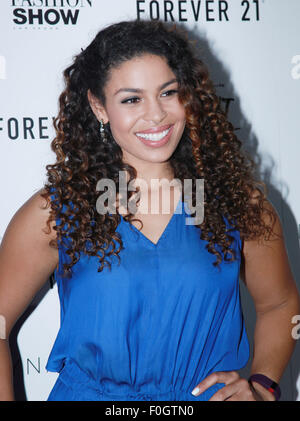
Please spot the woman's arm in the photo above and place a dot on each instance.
(269, 279)
(26, 262)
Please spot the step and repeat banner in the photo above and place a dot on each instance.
(252, 49)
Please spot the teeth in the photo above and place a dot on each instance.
(153, 136)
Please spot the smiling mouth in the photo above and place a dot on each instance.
(155, 136)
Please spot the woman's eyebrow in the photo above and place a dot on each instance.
(164, 85)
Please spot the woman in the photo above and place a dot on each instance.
(150, 311)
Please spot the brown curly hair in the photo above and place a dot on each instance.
(208, 149)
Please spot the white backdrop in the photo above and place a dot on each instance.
(253, 52)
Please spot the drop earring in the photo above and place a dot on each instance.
(102, 132)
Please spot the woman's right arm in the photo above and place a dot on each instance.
(26, 262)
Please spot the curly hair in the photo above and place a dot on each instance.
(208, 149)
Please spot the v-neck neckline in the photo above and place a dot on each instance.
(163, 234)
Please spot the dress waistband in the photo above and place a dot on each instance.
(79, 381)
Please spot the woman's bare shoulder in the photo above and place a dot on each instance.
(33, 216)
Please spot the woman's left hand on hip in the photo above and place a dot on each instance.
(235, 389)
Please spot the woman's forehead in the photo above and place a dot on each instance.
(145, 69)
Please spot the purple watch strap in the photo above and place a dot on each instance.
(269, 384)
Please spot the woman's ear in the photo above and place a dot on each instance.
(97, 107)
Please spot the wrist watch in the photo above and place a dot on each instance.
(267, 383)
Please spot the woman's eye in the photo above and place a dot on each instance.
(170, 92)
(132, 100)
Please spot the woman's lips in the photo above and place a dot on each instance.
(156, 129)
(152, 137)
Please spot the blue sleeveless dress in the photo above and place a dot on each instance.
(154, 326)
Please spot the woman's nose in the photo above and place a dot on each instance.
(154, 111)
